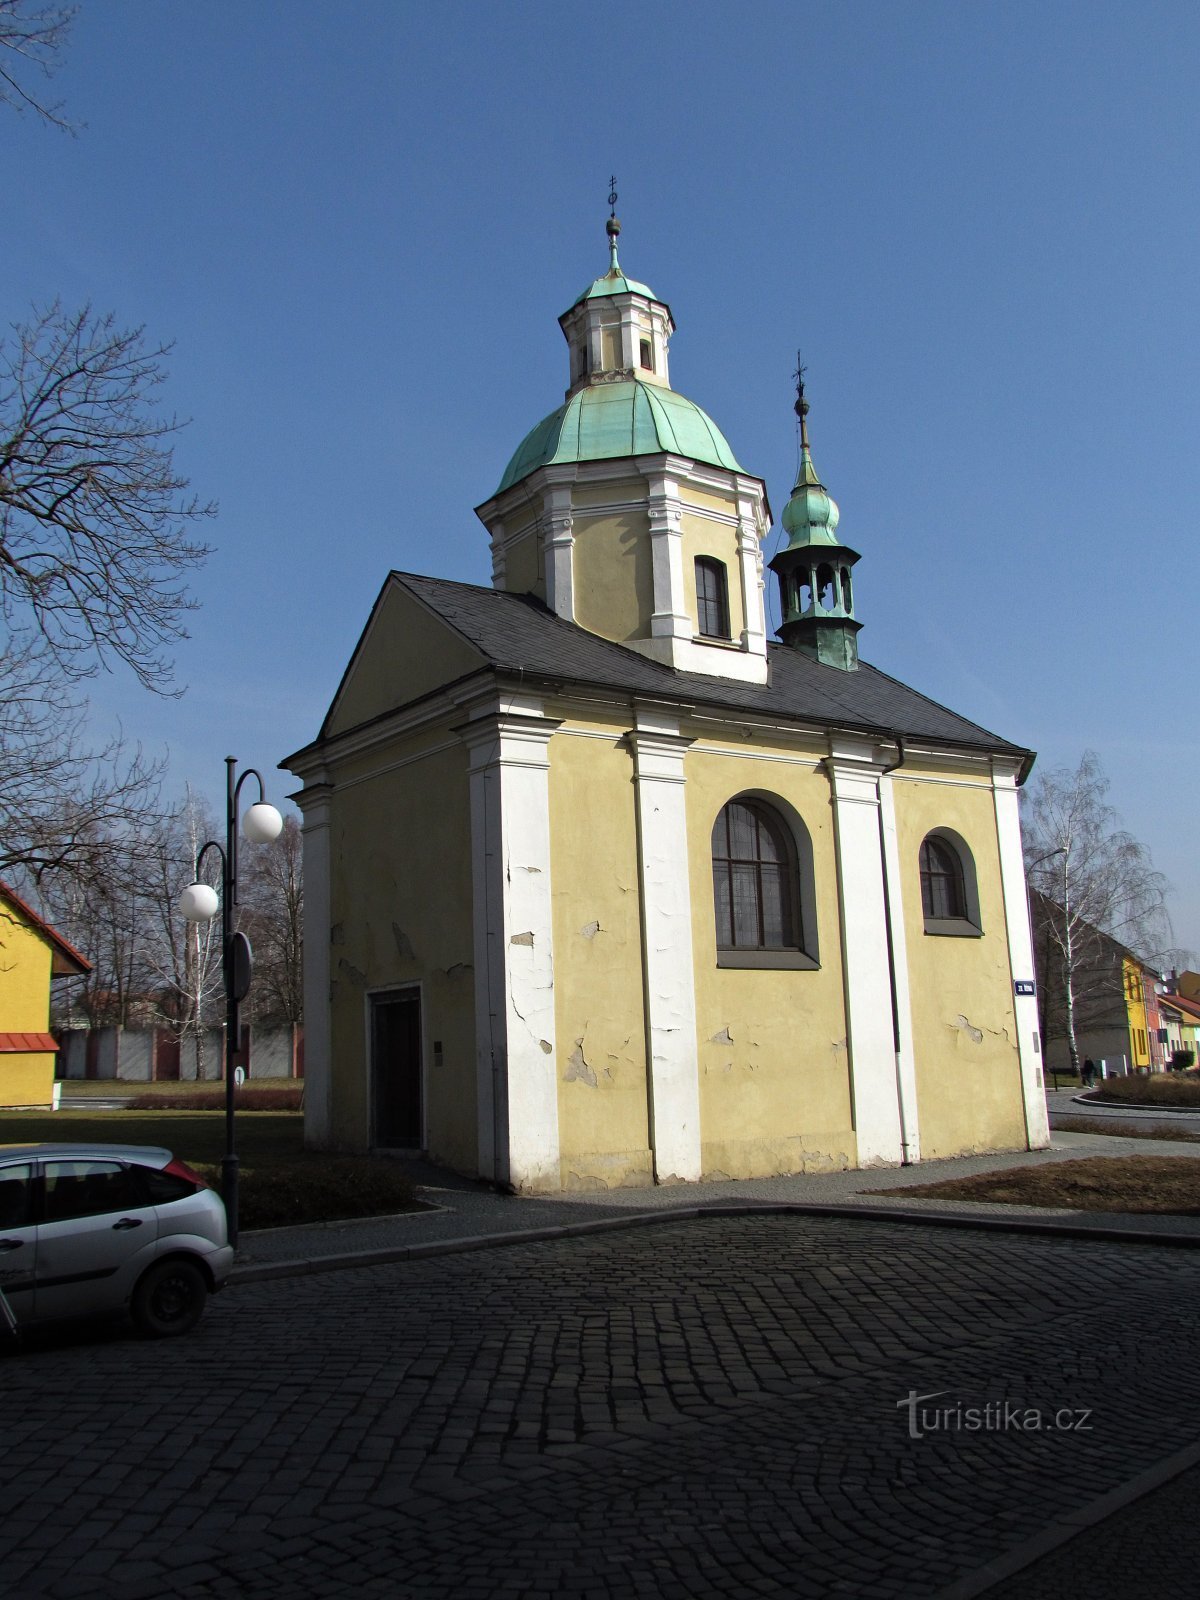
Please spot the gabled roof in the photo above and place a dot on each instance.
(519, 635)
(65, 960)
(1189, 1010)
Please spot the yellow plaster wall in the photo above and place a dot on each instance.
(406, 652)
(708, 536)
(25, 964)
(27, 1080)
(961, 994)
(524, 572)
(1135, 1006)
(598, 1006)
(613, 577)
(401, 912)
(774, 1077)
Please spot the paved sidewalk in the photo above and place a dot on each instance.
(472, 1215)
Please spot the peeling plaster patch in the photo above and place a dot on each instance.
(728, 1067)
(547, 1047)
(965, 1026)
(578, 1070)
(590, 930)
(353, 973)
(458, 970)
(522, 938)
(724, 1037)
(337, 933)
(531, 869)
(403, 946)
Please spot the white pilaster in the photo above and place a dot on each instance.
(559, 546)
(669, 976)
(516, 1058)
(906, 1071)
(318, 917)
(749, 532)
(671, 618)
(854, 781)
(499, 561)
(1020, 950)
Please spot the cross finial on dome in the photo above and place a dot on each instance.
(612, 227)
(801, 406)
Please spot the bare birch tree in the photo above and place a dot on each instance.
(271, 913)
(183, 957)
(1095, 887)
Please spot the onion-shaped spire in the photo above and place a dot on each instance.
(814, 565)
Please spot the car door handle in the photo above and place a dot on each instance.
(11, 1244)
(126, 1223)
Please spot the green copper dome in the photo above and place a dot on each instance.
(626, 418)
(614, 281)
(811, 516)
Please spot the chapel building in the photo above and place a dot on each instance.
(604, 887)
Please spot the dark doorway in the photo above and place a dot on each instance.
(396, 1069)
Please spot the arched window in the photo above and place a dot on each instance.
(762, 883)
(949, 892)
(712, 598)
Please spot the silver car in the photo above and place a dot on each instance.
(88, 1228)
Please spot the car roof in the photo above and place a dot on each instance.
(146, 1154)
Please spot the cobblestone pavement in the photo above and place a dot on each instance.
(704, 1408)
(467, 1208)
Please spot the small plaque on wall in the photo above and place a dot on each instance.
(1024, 986)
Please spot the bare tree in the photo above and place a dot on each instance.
(1096, 888)
(31, 38)
(93, 551)
(271, 913)
(183, 957)
(63, 804)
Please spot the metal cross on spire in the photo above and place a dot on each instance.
(801, 406)
(612, 227)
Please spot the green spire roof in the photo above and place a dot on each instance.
(614, 283)
(811, 516)
(626, 418)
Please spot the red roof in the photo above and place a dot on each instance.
(27, 1043)
(1188, 1009)
(65, 959)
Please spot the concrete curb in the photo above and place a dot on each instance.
(1065, 1528)
(990, 1222)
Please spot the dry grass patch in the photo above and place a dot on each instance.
(1164, 1184)
(1115, 1128)
(1162, 1089)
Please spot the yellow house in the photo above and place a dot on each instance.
(603, 887)
(31, 955)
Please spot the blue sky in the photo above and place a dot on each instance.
(360, 221)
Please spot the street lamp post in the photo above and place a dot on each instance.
(199, 903)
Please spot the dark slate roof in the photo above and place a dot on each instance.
(519, 634)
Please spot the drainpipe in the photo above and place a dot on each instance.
(891, 955)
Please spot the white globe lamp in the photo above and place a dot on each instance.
(199, 902)
(262, 823)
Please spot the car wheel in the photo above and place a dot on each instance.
(169, 1299)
